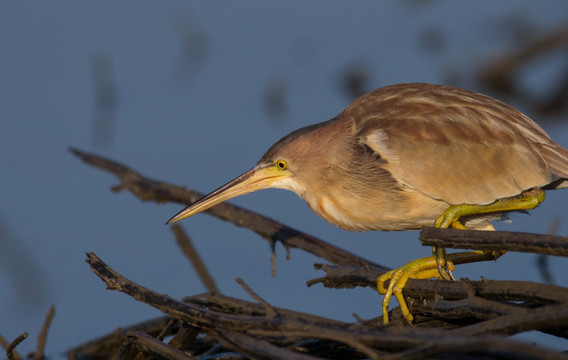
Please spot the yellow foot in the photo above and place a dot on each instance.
(441, 264)
(424, 268)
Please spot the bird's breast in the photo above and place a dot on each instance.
(356, 214)
(331, 211)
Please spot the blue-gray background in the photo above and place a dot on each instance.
(178, 90)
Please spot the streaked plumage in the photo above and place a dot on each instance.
(407, 152)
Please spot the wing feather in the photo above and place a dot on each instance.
(456, 145)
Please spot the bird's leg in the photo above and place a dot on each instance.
(426, 268)
(450, 218)
(528, 200)
(440, 254)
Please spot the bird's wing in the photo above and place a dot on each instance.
(454, 145)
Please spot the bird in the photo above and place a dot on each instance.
(406, 157)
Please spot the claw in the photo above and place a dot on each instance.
(444, 266)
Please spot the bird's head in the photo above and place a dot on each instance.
(286, 165)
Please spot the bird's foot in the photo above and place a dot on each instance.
(444, 265)
(424, 268)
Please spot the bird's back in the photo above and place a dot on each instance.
(455, 145)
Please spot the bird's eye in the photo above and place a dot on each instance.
(281, 164)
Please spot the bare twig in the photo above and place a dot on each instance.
(212, 321)
(190, 252)
(109, 344)
(476, 347)
(4, 342)
(495, 240)
(147, 189)
(184, 337)
(142, 346)
(167, 329)
(341, 277)
(42, 337)
(370, 341)
(10, 351)
(191, 314)
(547, 317)
(270, 310)
(229, 305)
(262, 331)
(260, 349)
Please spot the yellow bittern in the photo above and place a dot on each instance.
(410, 156)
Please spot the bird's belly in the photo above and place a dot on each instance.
(357, 215)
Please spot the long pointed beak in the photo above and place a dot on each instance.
(258, 178)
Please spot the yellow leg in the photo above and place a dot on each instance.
(528, 200)
(441, 265)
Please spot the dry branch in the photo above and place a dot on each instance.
(10, 351)
(42, 338)
(110, 343)
(5, 344)
(147, 189)
(270, 310)
(185, 337)
(469, 308)
(138, 345)
(250, 330)
(495, 240)
(190, 252)
(260, 349)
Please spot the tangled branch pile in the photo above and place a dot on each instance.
(464, 319)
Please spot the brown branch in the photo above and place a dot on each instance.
(472, 300)
(139, 345)
(184, 242)
(477, 347)
(519, 305)
(4, 343)
(495, 240)
(260, 349)
(185, 337)
(10, 351)
(497, 316)
(229, 305)
(341, 277)
(167, 329)
(345, 277)
(270, 310)
(371, 341)
(109, 344)
(212, 321)
(42, 337)
(206, 319)
(543, 318)
(147, 189)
